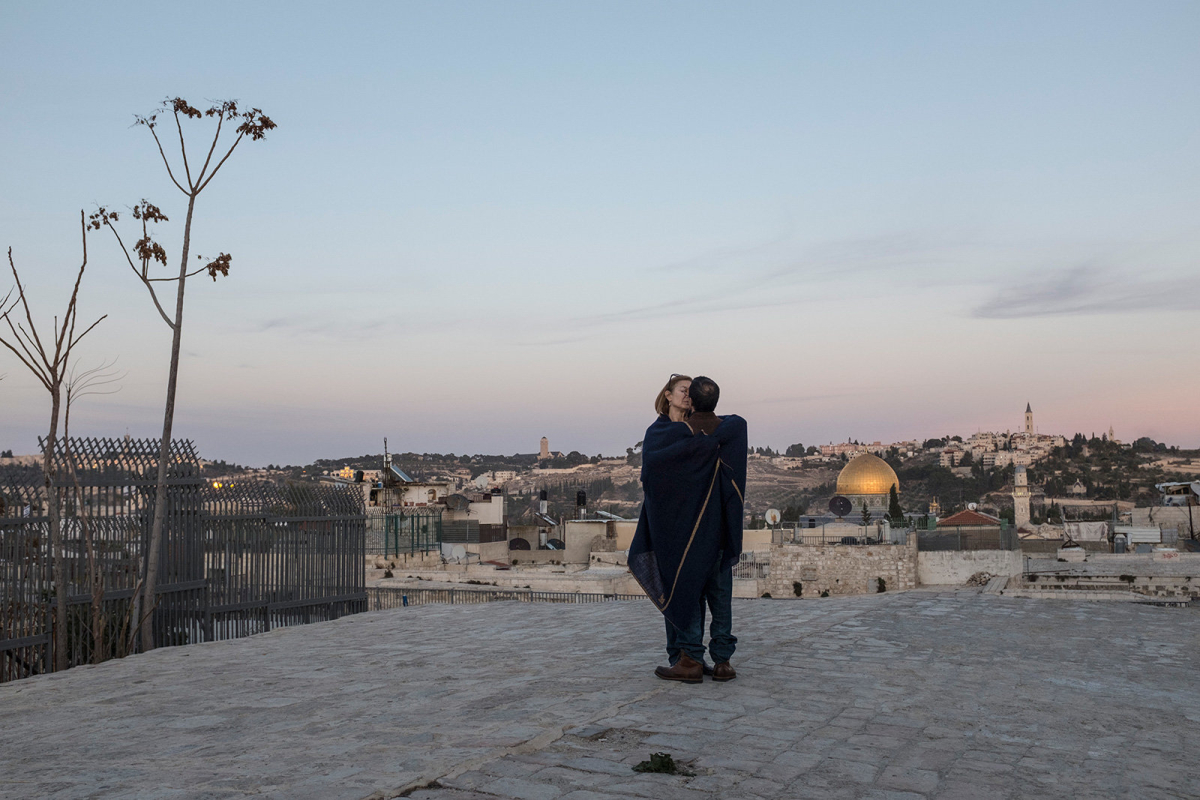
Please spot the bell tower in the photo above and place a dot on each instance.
(1020, 496)
(1028, 418)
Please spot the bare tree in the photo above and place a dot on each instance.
(253, 124)
(102, 379)
(49, 360)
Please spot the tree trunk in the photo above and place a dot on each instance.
(160, 495)
(54, 512)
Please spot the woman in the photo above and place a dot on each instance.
(673, 401)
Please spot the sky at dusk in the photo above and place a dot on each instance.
(482, 223)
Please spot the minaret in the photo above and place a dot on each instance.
(1020, 495)
(1028, 418)
(545, 451)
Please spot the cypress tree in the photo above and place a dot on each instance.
(895, 512)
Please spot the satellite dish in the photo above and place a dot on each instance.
(518, 544)
(972, 506)
(458, 552)
(840, 506)
(481, 481)
(772, 516)
(457, 502)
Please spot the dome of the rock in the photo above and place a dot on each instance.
(866, 474)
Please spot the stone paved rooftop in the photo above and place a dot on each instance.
(899, 696)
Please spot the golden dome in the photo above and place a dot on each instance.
(866, 474)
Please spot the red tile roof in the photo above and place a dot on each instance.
(968, 518)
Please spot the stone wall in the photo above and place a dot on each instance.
(490, 551)
(418, 560)
(953, 567)
(840, 569)
(527, 557)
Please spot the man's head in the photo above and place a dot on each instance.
(704, 393)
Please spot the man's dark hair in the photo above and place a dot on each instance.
(704, 393)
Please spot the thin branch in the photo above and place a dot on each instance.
(221, 163)
(142, 275)
(31, 366)
(27, 345)
(89, 330)
(176, 277)
(92, 381)
(69, 334)
(166, 163)
(183, 149)
(220, 122)
(25, 305)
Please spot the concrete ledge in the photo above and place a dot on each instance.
(1060, 594)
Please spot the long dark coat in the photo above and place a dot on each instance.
(694, 486)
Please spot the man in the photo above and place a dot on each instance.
(689, 534)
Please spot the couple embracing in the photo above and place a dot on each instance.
(689, 534)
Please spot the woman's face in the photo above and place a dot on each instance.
(678, 396)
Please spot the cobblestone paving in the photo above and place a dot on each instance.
(900, 696)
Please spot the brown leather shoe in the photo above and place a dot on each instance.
(723, 672)
(686, 670)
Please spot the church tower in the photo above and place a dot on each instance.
(1028, 418)
(1020, 495)
(544, 451)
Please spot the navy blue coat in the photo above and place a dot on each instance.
(694, 487)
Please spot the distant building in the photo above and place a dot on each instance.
(950, 456)
(545, 453)
(969, 519)
(352, 474)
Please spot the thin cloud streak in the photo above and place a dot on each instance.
(1088, 289)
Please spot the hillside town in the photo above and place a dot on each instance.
(1065, 477)
(554, 512)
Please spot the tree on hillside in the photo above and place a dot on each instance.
(49, 358)
(866, 514)
(895, 512)
(794, 450)
(252, 123)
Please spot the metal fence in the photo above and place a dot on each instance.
(841, 535)
(752, 565)
(968, 539)
(405, 533)
(236, 559)
(395, 597)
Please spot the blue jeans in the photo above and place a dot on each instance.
(718, 597)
